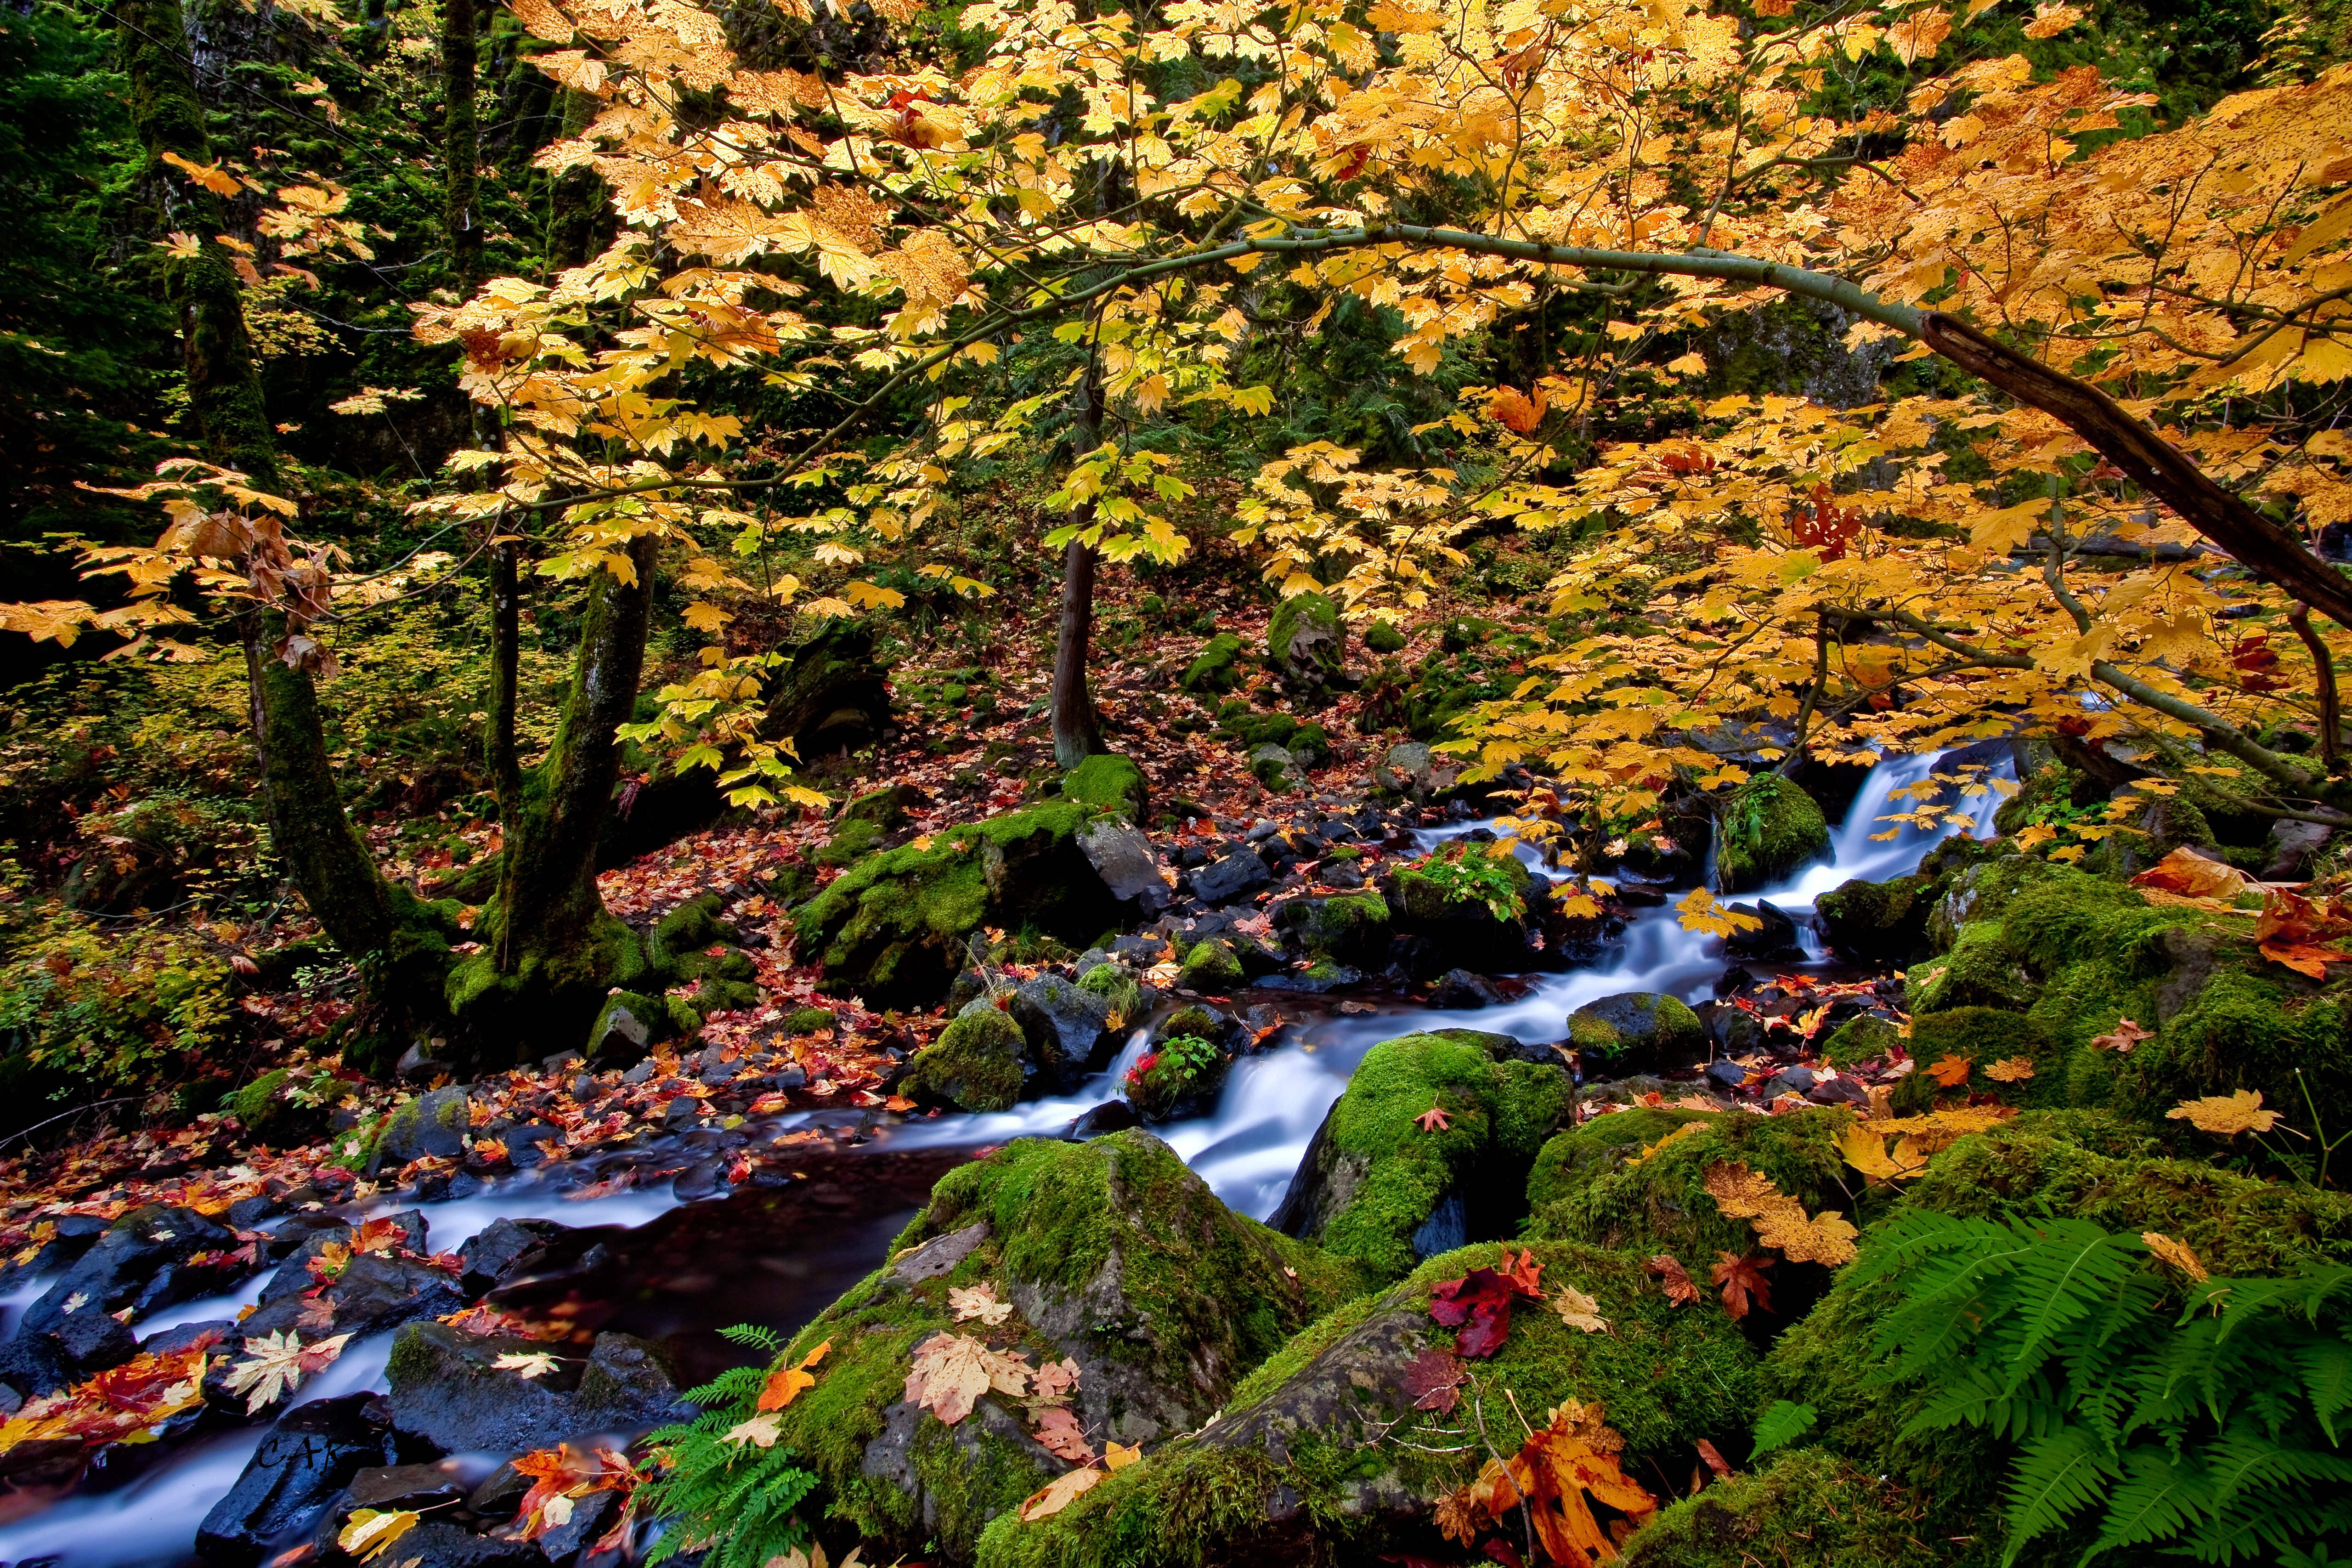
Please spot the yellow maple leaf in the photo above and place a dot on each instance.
(2226, 1114)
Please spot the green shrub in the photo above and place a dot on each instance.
(1467, 873)
(735, 1502)
(113, 1008)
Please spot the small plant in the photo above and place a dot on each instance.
(1178, 1060)
(728, 1498)
(1467, 873)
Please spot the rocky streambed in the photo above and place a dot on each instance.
(1206, 1056)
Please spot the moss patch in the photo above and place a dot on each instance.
(974, 1065)
(1808, 1508)
(1110, 783)
(1769, 829)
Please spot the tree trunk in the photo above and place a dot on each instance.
(549, 949)
(1077, 733)
(575, 197)
(399, 943)
(460, 149)
(506, 674)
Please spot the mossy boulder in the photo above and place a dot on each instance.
(1067, 1029)
(1306, 641)
(1113, 1255)
(1110, 783)
(1445, 898)
(435, 1122)
(892, 930)
(1209, 967)
(269, 1114)
(626, 1029)
(1863, 1038)
(1351, 928)
(1217, 667)
(980, 1062)
(1321, 1456)
(1122, 996)
(1979, 970)
(1770, 829)
(1636, 1031)
(1805, 1509)
(1182, 1075)
(1382, 637)
(1276, 768)
(852, 841)
(1878, 923)
(1381, 1189)
(888, 809)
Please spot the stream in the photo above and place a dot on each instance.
(661, 1268)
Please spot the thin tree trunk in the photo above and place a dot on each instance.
(460, 148)
(506, 672)
(1077, 733)
(576, 197)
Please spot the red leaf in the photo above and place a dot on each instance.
(1715, 1460)
(1743, 1279)
(1433, 1120)
(1435, 1380)
(1680, 1291)
(1479, 1303)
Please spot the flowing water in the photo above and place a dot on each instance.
(787, 1253)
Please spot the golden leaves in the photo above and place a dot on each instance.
(2226, 1114)
(1578, 1310)
(211, 176)
(1698, 912)
(1572, 1459)
(2175, 1253)
(952, 1371)
(1778, 1219)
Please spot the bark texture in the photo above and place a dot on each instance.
(1077, 734)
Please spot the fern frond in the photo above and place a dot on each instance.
(752, 1336)
(2058, 1477)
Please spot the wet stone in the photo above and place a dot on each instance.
(312, 1454)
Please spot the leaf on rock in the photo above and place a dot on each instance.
(1865, 1148)
(1778, 1219)
(1673, 1277)
(381, 1235)
(1434, 1379)
(275, 1365)
(2299, 931)
(2126, 1034)
(1743, 1280)
(1950, 1072)
(1552, 1475)
(760, 1431)
(1058, 1493)
(2175, 1253)
(531, 1363)
(1578, 1310)
(979, 1302)
(952, 1371)
(785, 1383)
(1116, 1459)
(2227, 1114)
(370, 1531)
(2190, 874)
(1053, 1382)
(1434, 1120)
(1062, 1436)
(1479, 1303)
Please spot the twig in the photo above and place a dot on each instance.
(96, 1105)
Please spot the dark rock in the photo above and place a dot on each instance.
(1067, 1028)
(33, 1364)
(625, 1030)
(1306, 641)
(435, 1122)
(497, 1253)
(1414, 958)
(1838, 1091)
(1461, 988)
(446, 1389)
(311, 1453)
(134, 1264)
(437, 1545)
(1320, 977)
(1346, 930)
(92, 1341)
(1727, 1075)
(421, 1063)
(1228, 878)
(1773, 941)
(2293, 845)
(1111, 1116)
(390, 1487)
(1636, 1031)
(179, 1336)
(1788, 1080)
(1770, 829)
(592, 1516)
(375, 1291)
(1878, 923)
(500, 1494)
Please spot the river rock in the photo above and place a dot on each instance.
(1112, 1254)
(1111, 1116)
(1770, 829)
(1459, 988)
(376, 1291)
(1636, 1031)
(1374, 1176)
(388, 1487)
(1466, 932)
(980, 1062)
(140, 1263)
(1407, 769)
(446, 1389)
(892, 929)
(1352, 928)
(1306, 641)
(1878, 923)
(1773, 940)
(435, 1546)
(1664, 1380)
(497, 1253)
(1123, 858)
(625, 1030)
(1227, 879)
(311, 1453)
(1065, 1027)
(435, 1122)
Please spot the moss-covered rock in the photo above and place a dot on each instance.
(1351, 928)
(626, 1029)
(1807, 1509)
(1980, 969)
(1217, 666)
(1209, 967)
(1112, 1254)
(1636, 1031)
(1770, 829)
(1450, 897)
(852, 840)
(1120, 994)
(978, 1063)
(1864, 1039)
(886, 809)
(1321, 1457)
(892, 930)
(1382, 637)
(267, 1110)
(1878, 923)
(1108, 781)
(1182, 1075)
(1306, 641)
(1274, 767)
(1379, 1189)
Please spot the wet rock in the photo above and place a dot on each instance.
(389, 1488)
(1373, 1175)
(1223, 881)
(1727, 1075)
(1349, 929)
(1772, 940)
(592, 1516)
(1431, 900)
(1108, 782)
(1878, 923)
(1116, 1256)
(1111, 1116)
(435, 1122)
(423, 1062)
(1788, 1080)
(1459, 988)
(1636, 1031)
(1184, 1074)
(446, 1389)
(893, 928)
(138, 1263)
(500, 1494)
(376, 1291)
(92, 1341)
(980, 1062)
(1065, 1027)
(311, 1453)
(34, 1364)
(1315, 979)
(1123, 858)
(2293, 845)
(1769, 829)
(179, 1336)
(498, 1252)
(626, 1029)
(436, 1545)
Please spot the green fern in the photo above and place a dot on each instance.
(1782, 1423)
(734, 1502)
(2211, 1433)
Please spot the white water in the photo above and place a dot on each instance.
(1245, 1150)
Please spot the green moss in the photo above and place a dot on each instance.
(256, 1106)
(809, 1020)
(1881, 921)
(1807, 1509)
(1980, 971)
(1110, 783)
(853, 839)
(1351, 928)
(1769, 827)
(1385, 1173)
(1214, 668)
(1573, 1157)
(1382, 637)
(1306, 631)
(1985, 1036)
(1211, 967)
(1181, 1076)
(1858, 1040)
(1117, 987)
(1261, 729)
(1638, 1032)
(974, 1065)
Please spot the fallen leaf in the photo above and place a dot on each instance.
(760, 1431)
(370, 1531)
(1434, 1120)
(1057, 1494)
(275, 1365)
(1743, 1280)
(1865, 1148)
(1778, 1219)
(2192, 875)
(2227, 1114)
(531, 1363)
(1673, 1277)
(1061, 1434)
(1578, 1310)
(1052, 1380)
(1551, 1477)
(2174, 1252)
(2297, 931)
(381, 1235)
(1715, 1460)
(1479, 1303)
(785, 1383)
(2126, 1036)
(1433, 1379)
(2011, 1069)
(952, 1371)
(1950, 1072)
(979, 1302)
(1116, 1459)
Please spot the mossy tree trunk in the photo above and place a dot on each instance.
(460, 143)
(1077, 734)
(549, 949)
(576, 215)
(399, 942)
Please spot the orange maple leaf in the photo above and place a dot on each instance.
(1951, 1072)
(1434, 1120)
(785, 1383)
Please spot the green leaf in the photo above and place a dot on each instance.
(1782, 1423)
